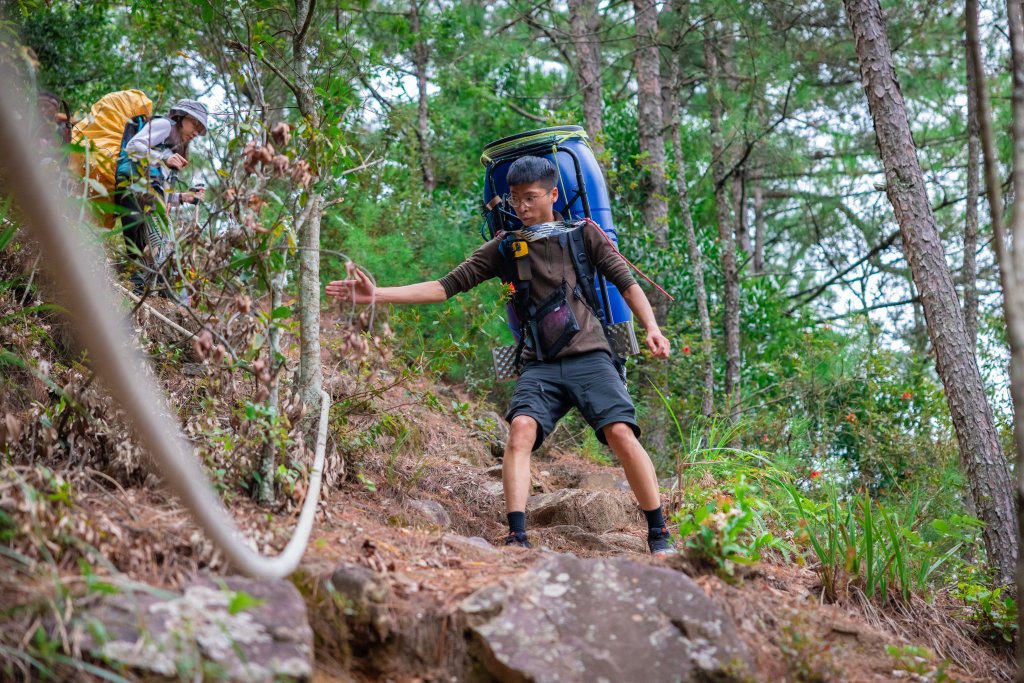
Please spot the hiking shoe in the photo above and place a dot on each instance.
(517, 539)
(660, 542)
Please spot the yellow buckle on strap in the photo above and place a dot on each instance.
(520, 249)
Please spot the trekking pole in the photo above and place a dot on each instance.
(195, 219)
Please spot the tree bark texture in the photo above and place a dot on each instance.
(723, 212)
(421, 58)
(739, 195)
(308, 228)
(649, 129)
(759, 227)
(310, 371)
(969, 272)
(980, 455)
(268, 459)
(583, 23)
(1010, 258)
(1011, 277)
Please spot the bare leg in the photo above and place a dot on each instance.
(515, 465)
(637, 464)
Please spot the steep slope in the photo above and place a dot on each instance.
(405, 578)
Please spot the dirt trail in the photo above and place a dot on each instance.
(428, 570)
(400, 516)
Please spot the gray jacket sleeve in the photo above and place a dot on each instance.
(152, 134)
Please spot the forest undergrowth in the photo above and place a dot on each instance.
(85, 515)
(805, 440)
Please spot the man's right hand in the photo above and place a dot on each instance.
(357, 289)
(177, 162)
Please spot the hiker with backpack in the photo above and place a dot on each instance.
(567, 359)
(147, 170)
(53, 130)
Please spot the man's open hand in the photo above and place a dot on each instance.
(658, 344)
(357, 289)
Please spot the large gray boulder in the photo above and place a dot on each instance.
(474, 547)
(593, 511)
(603, 619)
(431, 512)
(610, 541)
(603, 481)
(230, 628)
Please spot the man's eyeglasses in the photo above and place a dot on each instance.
(524, 202)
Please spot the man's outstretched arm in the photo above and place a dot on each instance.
(359, 289)
(641, 307)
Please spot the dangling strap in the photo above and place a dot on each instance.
(628, 262)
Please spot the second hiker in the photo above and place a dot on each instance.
(577, 369)
(146, 174)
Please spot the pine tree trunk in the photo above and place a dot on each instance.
(268, 459)
(421, 58)
(1011, 265)
(310, 372)
(758, 267)
(723, 212)
(969, 272)
(583, 23)
(1010, 258)
(981, 457)
(739, 192)
(649, 128)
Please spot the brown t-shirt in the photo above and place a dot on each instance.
(550, 263)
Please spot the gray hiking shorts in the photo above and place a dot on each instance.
(547, 390)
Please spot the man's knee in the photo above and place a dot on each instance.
(522, 430)
(619, 432)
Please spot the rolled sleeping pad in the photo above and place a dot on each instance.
(568, 148)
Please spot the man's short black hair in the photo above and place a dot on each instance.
(526, 170)
(47, 95)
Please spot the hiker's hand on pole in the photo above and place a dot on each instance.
(177, 162)
(194, 197)
(658, 343)
(357, 289)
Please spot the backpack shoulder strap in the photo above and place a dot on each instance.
(509, 273)
(586, 276)
(506, 262)
(515, 273)
(586, 273)
(131, 128)
(127, 167)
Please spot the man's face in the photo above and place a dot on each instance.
(47, 108)
(533, 203)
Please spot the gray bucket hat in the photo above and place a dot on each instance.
(193, 108)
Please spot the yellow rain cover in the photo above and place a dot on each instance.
(100, 132)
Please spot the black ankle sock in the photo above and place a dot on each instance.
(517, 522)
(655, 518)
